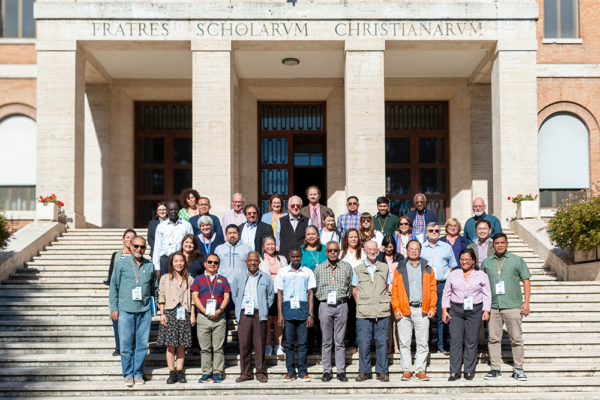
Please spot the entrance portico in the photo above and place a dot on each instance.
(226, 61)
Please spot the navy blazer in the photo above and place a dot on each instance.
(460, 244)
(429, 216)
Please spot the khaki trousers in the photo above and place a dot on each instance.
(512, 319)
(211, 336)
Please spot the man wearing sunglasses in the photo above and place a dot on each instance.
(290, 229)
(352, 218)
(133, 284)
(421, 217)
(333, 278)
(440, 257)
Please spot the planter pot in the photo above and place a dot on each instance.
(46, 212)
(528, 209)
(584, 256)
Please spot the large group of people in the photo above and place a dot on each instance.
(330, 286)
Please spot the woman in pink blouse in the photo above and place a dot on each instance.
(466, 302)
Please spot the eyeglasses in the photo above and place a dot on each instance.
(332, 251)
(139, 246)
(295, 205)
(465, 261)
(403, 224)
(353, 203)
(211, 262)
(419, 202)
(433, 230)
(203, 205)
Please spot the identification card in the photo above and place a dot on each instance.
(500, 287)
(211, 307)
(332, 297)
(420, 237)
(468, 303)
(295, 302)
(180, 313)
(136, 293)
(249, 310)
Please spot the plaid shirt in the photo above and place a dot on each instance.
(347, 221)
(341, 281)
(419, 224)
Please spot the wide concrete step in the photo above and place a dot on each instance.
(438, 386)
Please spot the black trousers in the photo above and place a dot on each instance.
(351, 323)
(464, 336)
(314, 333)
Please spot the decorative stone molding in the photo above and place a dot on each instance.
(17, 109)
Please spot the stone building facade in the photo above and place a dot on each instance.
(459, 99)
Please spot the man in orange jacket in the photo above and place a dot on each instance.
(414, 298)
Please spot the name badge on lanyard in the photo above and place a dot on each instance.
(249, 308)
(180, 313)
(136, 293)
(332, 297)
(468, 303)
(294, 302)
(211, 307)
(500, 287)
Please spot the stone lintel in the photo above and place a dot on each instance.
(365, 45)
(211, 45)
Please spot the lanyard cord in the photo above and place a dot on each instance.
(139, 271)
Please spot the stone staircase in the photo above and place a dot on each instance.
(56, 339)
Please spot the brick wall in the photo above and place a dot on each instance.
(588, 52)
(17, 54)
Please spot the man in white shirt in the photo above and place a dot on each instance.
(169, 236)
(236, 214)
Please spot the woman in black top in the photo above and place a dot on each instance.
(161, 215)
(194, 259)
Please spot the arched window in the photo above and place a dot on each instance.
(18, 140)
(564, 145)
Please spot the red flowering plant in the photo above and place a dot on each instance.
(51, 199)
(519, 198)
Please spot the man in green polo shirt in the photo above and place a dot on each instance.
(506, 271)
(384, 221)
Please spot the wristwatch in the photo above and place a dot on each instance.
(311, 315)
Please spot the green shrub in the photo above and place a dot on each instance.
(576, 224)
(4, 233)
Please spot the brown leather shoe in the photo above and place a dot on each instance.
(243, 378)
(361, 377)
(261, 378)
(422, 377)
(406, 376)
(383, 377)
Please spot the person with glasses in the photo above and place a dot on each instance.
(351, 219)
(421, 217)
(270, 264)
(207, 236)
(204, 211)
(440, 258)
(178, 314)
(116, 256)
(466, 303)
(189, 200)
(169, 235)
(132, 285)
(235, 215)
(483, 246)
(370, 282)
(414, 298)
(479, 209)
(453, 237)
(253, 231)
(210, 294)
(161, 216)
(290, 230)
(333, 278)
(404, 235)
(384, 221)
(276, 211)
(295, 285)
(506, 272)
(314, 210)
(367, 232)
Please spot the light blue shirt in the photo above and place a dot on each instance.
(371, 269)
(293, 221)
(250, 285)
(439, 257)
(233, 259)
(295, 283)
(248, 234)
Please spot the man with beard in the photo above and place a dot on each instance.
(479, 208)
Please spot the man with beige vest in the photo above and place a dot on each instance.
(370, 282)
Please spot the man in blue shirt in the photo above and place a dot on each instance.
(295, 285)
(440, 258)
(479, 208)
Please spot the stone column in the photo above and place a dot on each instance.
(60, 113)
(212, 110)
(97, 150)
(514, 126)
(365, 121)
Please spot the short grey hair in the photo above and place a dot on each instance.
(205, 219)
(432, 224)
(332, 242)
(238, 194)
(420, 194)
(253, 252)
(139, 237)
(298, 197)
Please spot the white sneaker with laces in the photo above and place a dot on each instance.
(268, 350)
(279, 351)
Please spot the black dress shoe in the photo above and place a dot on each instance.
(172, 377)
(469, 376)
(454, 377)
(181, 377)
(361, 377)
(326, 377)
(342, 377)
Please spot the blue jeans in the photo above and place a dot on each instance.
(116, 332)
(295, 328)
(134, 332)
(441, 327)
(368, 329)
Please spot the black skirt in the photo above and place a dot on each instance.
(177, 333)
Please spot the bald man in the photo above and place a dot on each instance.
(289, 230)
(479, 209)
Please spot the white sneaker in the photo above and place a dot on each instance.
(268, 350)
(279, 350)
